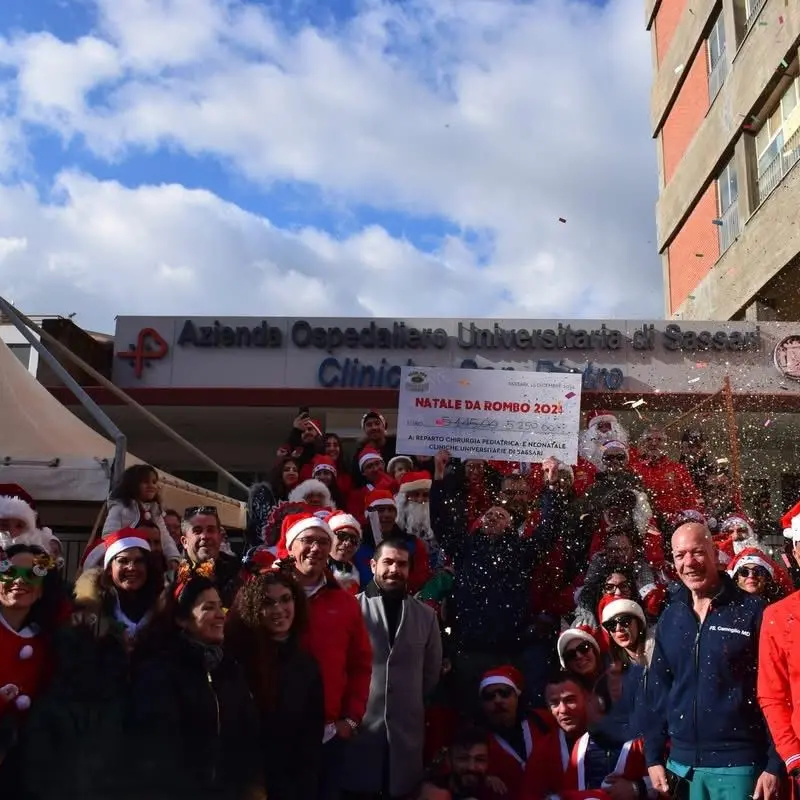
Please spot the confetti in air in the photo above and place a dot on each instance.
(693, 380)
(698, 255)
(569, 395)
(767, 423)
(635, 403)
(561, 219)
(679, 69)
(716, 222)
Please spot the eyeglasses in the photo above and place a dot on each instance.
(613, 588)
(33, 576)
(319, 541)
(581, 650)
(752, 572)
(620, 621)
(503, 692)
(194, 511)
(348, 538)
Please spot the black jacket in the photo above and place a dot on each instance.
(195, 732)
(492, 588)
(291, 733)
(74, 738)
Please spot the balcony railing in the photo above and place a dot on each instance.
(717, 76)
(779, 166)
(729, 229)
(755, 7)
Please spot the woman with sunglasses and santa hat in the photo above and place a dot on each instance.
(756, 573)
(32, 600)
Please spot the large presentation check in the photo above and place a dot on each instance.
(496, 415)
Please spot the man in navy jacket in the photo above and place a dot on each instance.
(701, 684)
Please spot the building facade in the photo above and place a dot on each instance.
(725, 113)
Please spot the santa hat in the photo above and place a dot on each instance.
(393, 462)
(621, 606)
(315, 424)
(295, 524)
(322, 463)
(791, 523)
(368, 454)
(594, 418)
(373, 413)
(415, 481)
(16, 503)
(341, 520)
(738, 521)
(571, 635)
(379, 497)
(505, 675)
(751, 557)
(124, 539)
(311, 486)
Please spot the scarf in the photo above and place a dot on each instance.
(210, 654)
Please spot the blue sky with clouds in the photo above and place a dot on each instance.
(360, 157)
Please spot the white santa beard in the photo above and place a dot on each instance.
(414, 517)
(592, 440)
(743, 544)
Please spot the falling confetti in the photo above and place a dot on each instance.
(784, 64)
(762, 22)
(722, 461)
(698, 255)
(561, 219)
(679, 69)
(767, 423)
(569, 395)
(691, 297)
(635, 403)
(716, 222)
(780, 19)
(693, 380)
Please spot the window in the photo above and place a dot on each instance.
(770, 139)
(22, 352)
(717, 61)
(727, 189)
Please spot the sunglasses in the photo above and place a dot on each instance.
(613, 588)
(581, 650)
(33, 576)
(349, 538)
(194, 511)
(620, 621)
(752, 572)
(503, 692)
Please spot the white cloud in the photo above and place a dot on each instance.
(496, 115)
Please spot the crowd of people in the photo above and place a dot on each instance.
(411, 627)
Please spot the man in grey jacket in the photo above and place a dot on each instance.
(385, 758)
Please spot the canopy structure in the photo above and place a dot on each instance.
(56, 457)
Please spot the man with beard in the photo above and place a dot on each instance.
(373, 423)
(601, 427)
(414, 514)
(202, 541)
(490, 601)
(467, 770)
(406, 663)
(513, 735)
(668, 483)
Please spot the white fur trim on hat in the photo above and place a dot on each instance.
(617, 607)
(324, 468)
(339, 522)
(373, 455)
(793, 532)
(302, 490)
(752, 560)
(416, 486)
(115, 548)
(397, 459)
(493, 680)
(383, 501)
(17, 508)
(306, 524)
(570, 635)
(736, 520)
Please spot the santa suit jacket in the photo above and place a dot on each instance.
(779, 677)
(556, 769)
(669, 484)
(504, 761)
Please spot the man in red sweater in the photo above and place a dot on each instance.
(779, 670)
(337, 637)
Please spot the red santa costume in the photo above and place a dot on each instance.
(383, 481)
(505, 762)
(17, 504)
(601, 427)
(414, 518)
(668, 483)
(559, 771)
(728, 545)
(346, 574)
(779, 669)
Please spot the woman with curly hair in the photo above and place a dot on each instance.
(193, 723)
(263, 632)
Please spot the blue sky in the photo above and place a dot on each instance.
(371, 157)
